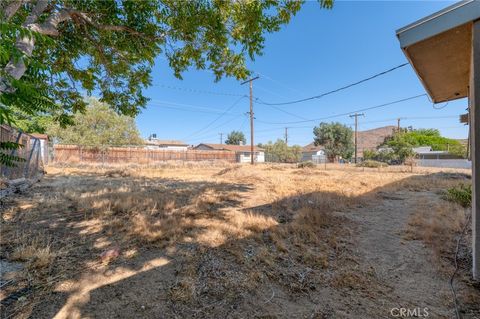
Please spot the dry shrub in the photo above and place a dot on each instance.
(310, 235)
(439, 225)
(115, 203)
(36, 251)
(436, 224)
(354, 279)
(115, 173)
(419, 183)
(228, 170)
(182, 291)
(372, 164)
(207, 200)
(157, 229)
(252, 222)
(307, 164)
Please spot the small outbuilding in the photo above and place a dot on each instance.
(243, 152)
(314, 153)
(171, 145)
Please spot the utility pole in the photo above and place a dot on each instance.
(398, 125)
(221, 138)
(252, 161)
(286, 135)
(356, 115)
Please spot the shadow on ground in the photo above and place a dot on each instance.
(182, 254)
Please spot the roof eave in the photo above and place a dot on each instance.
(436, 48)
(453, 16)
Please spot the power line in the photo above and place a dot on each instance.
(286, 112)
(412, 118)
(336, 90)
(270, 92)
(217, 118)
(212, 136)
(363, 122)
(279, 83)
(243, 124)
(195, 111)
(196, 91)
(348, 113)
(203, 135)
(185, 106)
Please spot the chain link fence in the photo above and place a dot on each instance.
(32, 151)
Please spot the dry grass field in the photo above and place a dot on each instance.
(234, 241)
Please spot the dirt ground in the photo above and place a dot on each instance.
(234, 241)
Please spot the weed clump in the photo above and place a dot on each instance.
(461, 194)
(372, 164)
(307, 164)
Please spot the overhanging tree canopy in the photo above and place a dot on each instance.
(54, 51)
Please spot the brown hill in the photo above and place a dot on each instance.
(367, 140)
(371, 139)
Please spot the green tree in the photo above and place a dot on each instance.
(336, 138)
(433, 138)
(403, 142)
(401, 146)
(383, 155)
(281, 152)
(52, 51)
(235, 138)
(98, 126)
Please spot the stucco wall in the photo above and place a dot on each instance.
(447, 163)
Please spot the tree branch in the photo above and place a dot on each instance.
(118, 28)
(16, 69)
(9, 11)
(49, 27)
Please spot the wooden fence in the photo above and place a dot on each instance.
(30, 152)
(79, 154)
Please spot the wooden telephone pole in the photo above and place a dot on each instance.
(252, 160)
(286, 135)
(221, 138)
(398, 125)
(356, 115)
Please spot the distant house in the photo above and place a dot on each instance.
(172, 145)
(426, 153)
(243, 152)
(314, 153)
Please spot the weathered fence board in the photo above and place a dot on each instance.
(30, 151)
(111, 155)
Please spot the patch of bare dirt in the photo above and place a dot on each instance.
(216, 242)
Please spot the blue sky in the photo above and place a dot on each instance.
(318, 51)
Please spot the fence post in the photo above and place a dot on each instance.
(39, 153)
(27, 166)
(8, 169)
